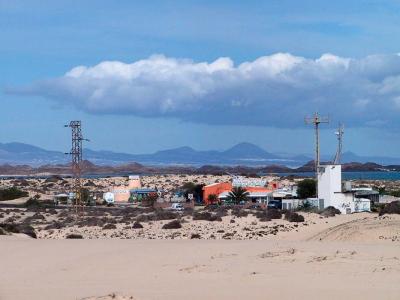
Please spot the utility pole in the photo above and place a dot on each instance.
(339, 133)
(316, 120)
(76, 159)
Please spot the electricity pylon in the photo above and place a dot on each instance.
(76, 159)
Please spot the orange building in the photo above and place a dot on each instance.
(216, 189)
(221, 190)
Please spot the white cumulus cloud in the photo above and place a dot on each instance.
(275, 90)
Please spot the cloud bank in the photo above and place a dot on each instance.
(276, 90)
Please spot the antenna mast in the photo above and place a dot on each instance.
(339, 133)
(316, 120)
(76, 159)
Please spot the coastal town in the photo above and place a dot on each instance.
(202, 150)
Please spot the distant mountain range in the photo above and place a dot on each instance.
(89, 168)
(245, 154)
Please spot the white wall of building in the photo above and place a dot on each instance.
(343, 202)
(329, 183)
(330, 191)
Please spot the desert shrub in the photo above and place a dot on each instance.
(330, 211)
(137, 225)
(89, 183)
(215, 218)
(22, 182)
(131, 211)
(377, 207)
(109, 220)
(28, 230)
(228, 235)
(222, 211)
(52, 211)
(38, 216)
(162, 214)
(188, 211)
(91, 221)
(19, 228)
(74, 236)
(239, 212)
(126, 219)
(53, 178)
(54, 225)
(274, 214)
(262, 215)
(109, 226)
(206, 216)
(391, 208)
(175, 224)
(35, 217)
(195, 236)
(63, 214)
(33, 203)
(293, 217)
(12, 193)
(144, 218)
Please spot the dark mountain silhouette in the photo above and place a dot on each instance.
(135, 168)
(245, 154)
(248, 151)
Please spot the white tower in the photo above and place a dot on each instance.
(329, 183)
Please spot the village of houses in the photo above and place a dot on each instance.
(193, 206)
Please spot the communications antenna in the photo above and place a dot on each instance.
(339, 133)
(76, 159)
(316, 120)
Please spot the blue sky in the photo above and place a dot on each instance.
(283, 42)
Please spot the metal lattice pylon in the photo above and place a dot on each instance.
(339, 133)
(76, 160)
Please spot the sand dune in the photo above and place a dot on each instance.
(109, 297)
(366, 229)
(337, 258)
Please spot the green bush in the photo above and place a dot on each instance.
(391, 208)
(306, 189)
(293, 217)
(12, 193)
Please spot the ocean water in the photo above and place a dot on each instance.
(355, 175)
(345, 175)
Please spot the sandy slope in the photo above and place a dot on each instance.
(342, 259)
(366, 229)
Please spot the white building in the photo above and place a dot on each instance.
(254, 196)
(330, 192)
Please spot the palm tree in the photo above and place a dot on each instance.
(212, 199)
(238, 194)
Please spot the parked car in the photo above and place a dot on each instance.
(177, 207)
(274, 204)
